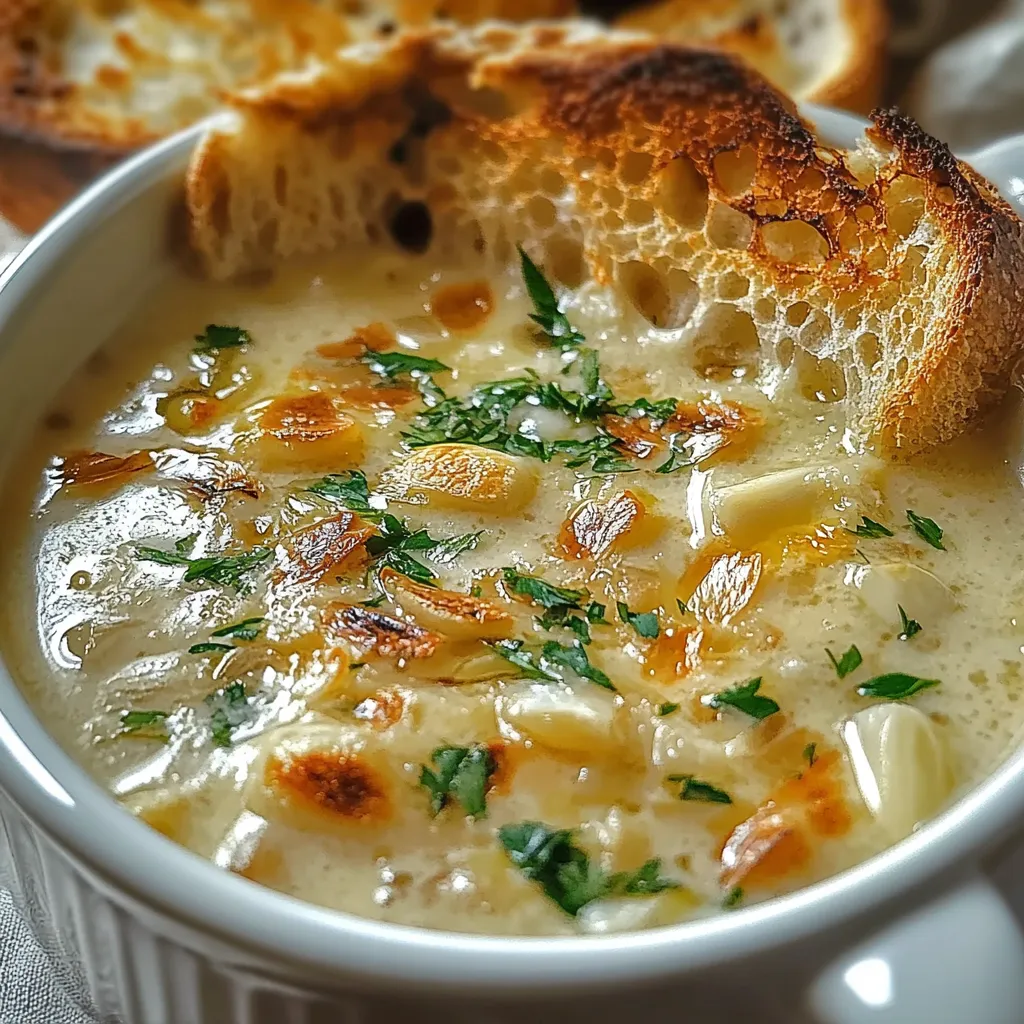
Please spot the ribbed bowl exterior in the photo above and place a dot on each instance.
(124, 965)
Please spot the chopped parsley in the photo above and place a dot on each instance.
(908, 627)
(445, 551)
(701, 792)
(394, 545)
(733, 898)
(538, 590)
(811, 754)
(657, 411)
(745, 698)
(667, 708)
(151, 725)
(217, 336)
(544, 665)
(461, 774)
(546, 314)
(895, 686)
(550, 858)
(681, 605)
(399, 364)
(247, 629)
(231, 709)
(575, 658)
(565, 617)
(676, 460)
(927, 529)
(349, 489)
(869, 528)
(645, 623)
(481, 418)
(848, 663)
(209, 648)
(374, 602)
(225, 570)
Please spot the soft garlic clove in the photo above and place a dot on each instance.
(457, 616)
(885, 588)
(901, 765)
(596, 527)
(749, 511)
(630, 913)
(579, 720)
(464, 476)
(167, 809)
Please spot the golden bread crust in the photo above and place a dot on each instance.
(886, 277)
(848, 43)
(127, 93)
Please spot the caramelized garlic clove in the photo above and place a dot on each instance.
(465, 477)
(307, 432)
(320, 777)
(454, 615)
(901, 765)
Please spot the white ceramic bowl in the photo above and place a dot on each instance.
(143, 931)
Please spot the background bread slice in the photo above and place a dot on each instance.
(827, 51)
(888, 278)
(115, 76)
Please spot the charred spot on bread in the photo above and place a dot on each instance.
(411, 226)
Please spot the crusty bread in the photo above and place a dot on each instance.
(112, 76)
(826, 51)
(888, 277)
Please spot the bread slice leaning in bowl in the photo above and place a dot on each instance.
(82, 74)
(826, 51)
(888, 277)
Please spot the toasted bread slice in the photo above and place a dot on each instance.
(114, 76)
(827, 51)
(888, 277)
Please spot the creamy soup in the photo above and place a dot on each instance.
(372, 589)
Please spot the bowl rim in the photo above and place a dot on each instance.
(153, 872)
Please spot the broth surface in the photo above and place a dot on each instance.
(498, 755)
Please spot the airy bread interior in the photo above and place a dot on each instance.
(887, 278)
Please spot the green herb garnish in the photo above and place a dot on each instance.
(681, 605)
(544, 664)
(895, 686)
(667, 708)
(349, 489)
(927, 529)
(538, 590)
(225, 570)
(848, 663)
(908, 627)
(676, 460)
(645, 623)
(546, 314)
(231, 709)
(811, 753)
(394, 545)
(745, 698)
(398, 364)
(574, 658)
(247, 629)
(209, 648)
(702, 792)
(869, 528)
(216, 337)
(733, 898)
(459, 773)
(146, 724)
(551, 858)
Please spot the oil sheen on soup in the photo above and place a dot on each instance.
(394, 588)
